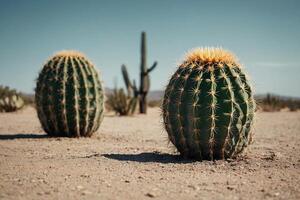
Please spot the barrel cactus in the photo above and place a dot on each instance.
(10, 100)
(208, 106)
(69, 96)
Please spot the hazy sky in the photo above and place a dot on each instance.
(264, 34)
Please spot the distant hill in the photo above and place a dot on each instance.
(156, 95)
(152, 95)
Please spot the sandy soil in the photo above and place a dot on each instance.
(128, 158)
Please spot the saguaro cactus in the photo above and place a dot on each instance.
(208, 106)
(69, 96)
(144, 78)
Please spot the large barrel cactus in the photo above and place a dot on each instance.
(208, 106)
(69, 96)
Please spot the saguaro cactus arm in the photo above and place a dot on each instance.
(152, 67)
(131, 86)
(136, 92)
(127, 80)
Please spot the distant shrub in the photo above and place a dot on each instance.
(121, 103)
(28, 99)
(273, 103)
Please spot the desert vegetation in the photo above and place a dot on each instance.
(273, 103)
(121, 103)
(10, 100)
(192, 142)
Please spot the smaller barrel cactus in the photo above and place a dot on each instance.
(208, 106)
(69, 96)
(11, 103)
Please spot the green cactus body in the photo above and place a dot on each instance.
(208, 106)
(69, 96)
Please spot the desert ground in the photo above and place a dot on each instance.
(130, 158)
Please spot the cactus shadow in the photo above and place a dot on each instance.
(22, 136)
(146, 157)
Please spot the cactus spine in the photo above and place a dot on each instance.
(144, 78)
(208, 106)
(69, 96)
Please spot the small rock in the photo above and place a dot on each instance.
(86, 192)
(85, 175)
(127, 181)
(230, 188)
(79, 187)
(193, 187)
(150, 195)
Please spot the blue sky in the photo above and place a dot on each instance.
(264, 34)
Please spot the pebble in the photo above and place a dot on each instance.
(85, 175)
(151, 195)
(193, 187)
(39, 193)
(79, 187)
(230, 188)
(86, 192)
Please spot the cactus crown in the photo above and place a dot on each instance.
(69, 53)
(211, 55)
